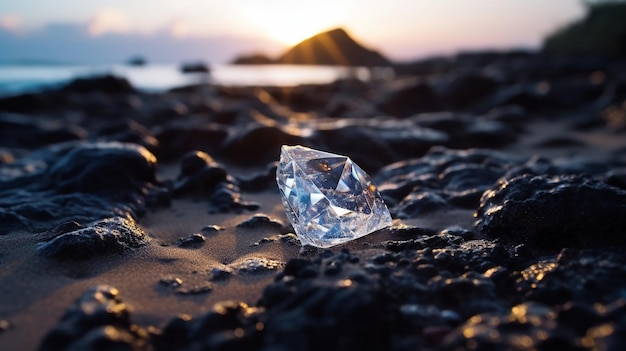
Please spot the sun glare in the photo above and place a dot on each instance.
(290, 22)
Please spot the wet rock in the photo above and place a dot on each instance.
(176, 140)
(468, 130)
(102, 167)
(23, 131)
(98, 320)
(260, 221)
(104, 237)
(193, 241)
(409, 99)
(261, 181)
(345, 139)
(130, 132)
(441, 179)
(388, 140)
(417, 204)
(554, 212)
(201, 176)
(27, 102)
(78, 182)
(465, 91)
(617, 178)
(199, 173)
(257, 144)
(104, 84)
(227, 198)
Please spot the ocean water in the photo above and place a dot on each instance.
(17, 78)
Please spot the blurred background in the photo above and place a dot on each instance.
(45, 42)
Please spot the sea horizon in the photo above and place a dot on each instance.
(31, 76)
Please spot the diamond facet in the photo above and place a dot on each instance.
(328, 199)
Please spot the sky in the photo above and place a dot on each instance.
(219, 30)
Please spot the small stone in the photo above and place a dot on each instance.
(328, 199)
(192, 241)
(173, 282)
(210, 229)
(195, 290)
(289, 238)
(260, 220)
(257, 265)
(220, 274)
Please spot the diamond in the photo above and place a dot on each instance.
(328, 199)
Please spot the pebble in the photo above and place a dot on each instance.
(193, 241)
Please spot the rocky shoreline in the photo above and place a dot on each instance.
(147, 221)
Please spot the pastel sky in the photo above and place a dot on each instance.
(401, 29)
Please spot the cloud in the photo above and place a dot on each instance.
(11, 23)
(179, 28)
(109, 21)
(77, 43)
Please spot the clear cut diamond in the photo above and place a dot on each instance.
(328, 198)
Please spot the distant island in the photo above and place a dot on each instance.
(334, 47)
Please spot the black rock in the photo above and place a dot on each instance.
(27, 102)
(102, 168)
(257, 265)
(199, 174)
(441, 179)
(175, 140)
(193, 241)
(580, 276)
(410, 99)
(554, 212)
(389, 140)
(260, 181)
(467, 130)
(24, 131)
(98, 320)
(195, 290)
(260, 221)
(465, 91)
(257, 144)
(105, 237)
(103, 84)
(79, 182)
(526, 326)
(229, 325)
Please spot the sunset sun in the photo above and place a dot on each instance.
(290, 22)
